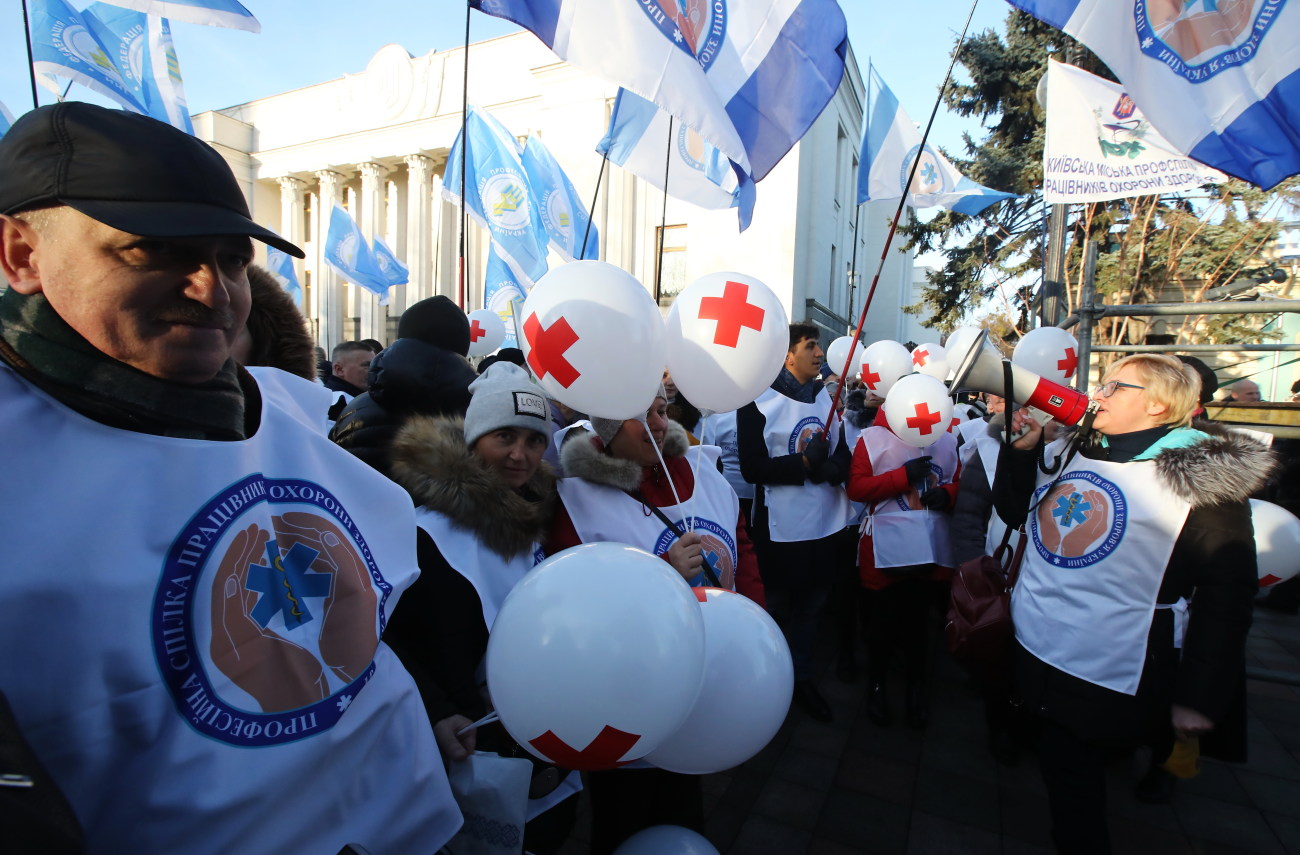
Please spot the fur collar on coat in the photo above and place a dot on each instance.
(430, 459)
(580, 459)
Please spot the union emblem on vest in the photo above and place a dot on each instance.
(1080, 521)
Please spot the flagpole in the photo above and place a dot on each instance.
(464, 159)
(31, 60)
(591, 214)
(663, 216)
(898, 213)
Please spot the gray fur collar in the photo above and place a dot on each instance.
(430, 460)
(579, 458)
(1228, 466)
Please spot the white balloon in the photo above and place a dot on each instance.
(596, 657)
(486, 332)
(1277, 542)
(727, 335)
(666, 840)
(838, 351)
(1050, 352)
(882, 364)
(594, 339)
(918, 410)
(930, 359)
(748, 682)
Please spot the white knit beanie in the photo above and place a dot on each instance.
(505, 396)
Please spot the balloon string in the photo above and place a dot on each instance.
(663, 463)
(695, 464)
(487, 719)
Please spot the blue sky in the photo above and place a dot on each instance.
(303, 43)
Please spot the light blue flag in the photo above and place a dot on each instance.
(141, 47)
(502, 294)
(1219, 80)
(394, 271)
(889, 148)
(500, 197)
(6, 119)
(563, 214)
(638, 140)
(347, 252)
(63, 45)
(280, 264)
(213, 13)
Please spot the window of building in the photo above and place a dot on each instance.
(670, 263)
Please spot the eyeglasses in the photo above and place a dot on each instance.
(1105, 390)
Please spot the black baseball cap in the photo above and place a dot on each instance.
(128, 171)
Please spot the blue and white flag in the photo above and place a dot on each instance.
(63, 45)
(1220, 79)
(141, 47)
(213, 13)
(749, 76)
(890, 146)
(563, 214)
(638, 141)
(347, 251)
(280, 265)
(503, 295)
(500, 198)
(395, 272)
(6, 119)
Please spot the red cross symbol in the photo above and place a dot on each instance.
(955, 421)
(476, 330)
(546, 348)
(924, 420)
(919, 356)
(732, 311)
(603, 752)
(1069, 363)
(869, 377)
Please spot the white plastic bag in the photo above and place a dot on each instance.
(492, 792)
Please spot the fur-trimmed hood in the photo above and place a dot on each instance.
(430, 459)
(579, 458)
(1225, 466)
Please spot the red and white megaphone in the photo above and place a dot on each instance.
(981, 369)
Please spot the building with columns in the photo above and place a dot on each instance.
(377, 143)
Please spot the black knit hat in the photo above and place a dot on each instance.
(437, 321)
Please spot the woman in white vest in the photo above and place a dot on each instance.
(1151, 514)
(615, 489)
(904, 546)
(485, 502)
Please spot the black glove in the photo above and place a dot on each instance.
(817, 451)
(936, 499)
(917, 470)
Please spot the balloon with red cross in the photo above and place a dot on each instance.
(1051, 353)
(596, 657)
(486, 332)
(918, 410)
(1277, 542)
(594, 339)
(838, 352)
(930, 359)
(727, 336)
(883, 364)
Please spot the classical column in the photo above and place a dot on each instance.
(373, 316)
(327, 281)
(419, 226)
(291, 212)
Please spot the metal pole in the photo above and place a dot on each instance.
(464, 160)
(1051, 302)
(1087, 296)
(1195, 348)
(31, 60)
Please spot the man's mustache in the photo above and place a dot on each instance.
(196, 314)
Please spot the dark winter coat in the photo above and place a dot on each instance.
(1212, 566)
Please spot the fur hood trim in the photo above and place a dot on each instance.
(430, 460)
(580, 458)
(1225, 466)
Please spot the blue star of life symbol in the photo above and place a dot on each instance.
(1071, 509)
(285, 585)
(929, 173)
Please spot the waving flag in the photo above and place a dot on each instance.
(347, 252)
(280, 264)
(141, 48)
(64, 45)
(395, 272)
(890, 146)
(1220, 79)
(500, 197)
(563, 214)
(638, 141)
(1099, 146)
(502, 294)
(6, 119)
(213, 13)
(750, 77)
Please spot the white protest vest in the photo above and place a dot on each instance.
(607, 513)
(720, 430)
(1098, 547)
(192, 644)
(807, 511)
(902, 531)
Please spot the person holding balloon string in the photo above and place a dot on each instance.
(1151, 514)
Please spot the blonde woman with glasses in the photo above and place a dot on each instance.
(1134, 598)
